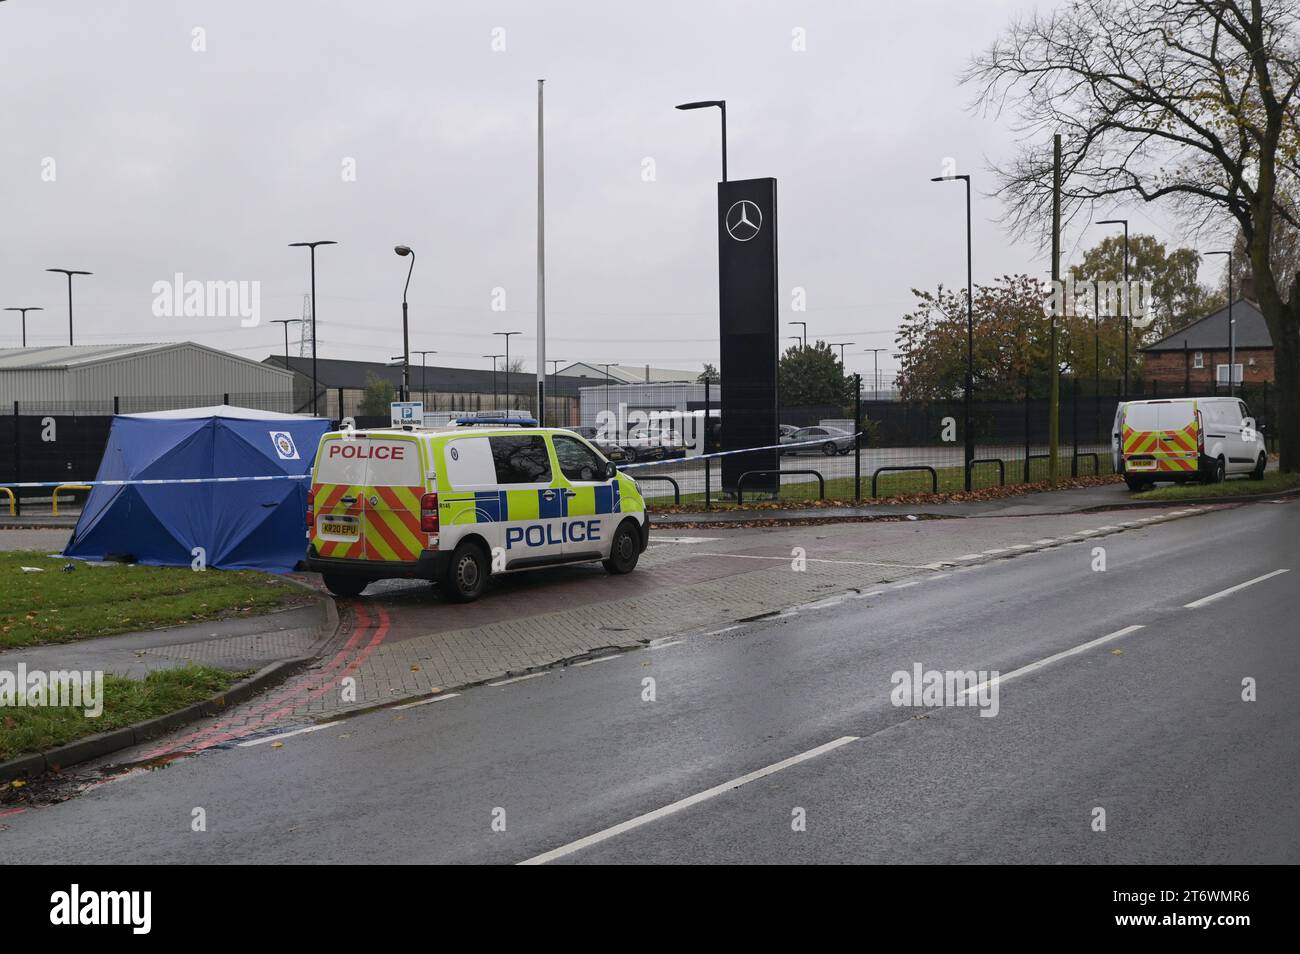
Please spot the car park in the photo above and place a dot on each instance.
(456, 505)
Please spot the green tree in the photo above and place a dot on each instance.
(813, 375)
(1177, 297)
(379, 394)
(710, 374)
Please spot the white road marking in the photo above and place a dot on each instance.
(656, 644)
(725, 629)
(592, 662)
(903, 586)
(506, 682)
(285, 735)
(863, 596)
(684, 803)
(1044, 542)
(787, 559)
(424, 702)
(996, 550)
(1032, 667)
(970, 556)
(659, 539)
(1196, 604)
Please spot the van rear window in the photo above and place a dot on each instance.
(375, 462)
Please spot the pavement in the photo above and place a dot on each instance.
(770, 701)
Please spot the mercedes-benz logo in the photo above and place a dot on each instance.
(743, 220)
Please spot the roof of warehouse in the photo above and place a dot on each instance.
(63, 357)
(1211, 332)
(338, 373)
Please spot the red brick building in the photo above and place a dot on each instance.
(1196, 357)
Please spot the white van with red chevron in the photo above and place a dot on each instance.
(457, 504)
(1182, 439)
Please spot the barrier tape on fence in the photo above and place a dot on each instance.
(160, 481)
(747, 450)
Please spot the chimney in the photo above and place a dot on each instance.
(1248, 289)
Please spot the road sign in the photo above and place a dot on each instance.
(407, 413)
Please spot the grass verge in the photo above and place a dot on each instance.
(1273, 482)
(125, 702)
(100, 600)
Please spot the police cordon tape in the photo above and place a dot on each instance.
(161, 481)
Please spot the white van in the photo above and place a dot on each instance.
(1182, 439)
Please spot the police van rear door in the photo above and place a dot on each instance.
(336, 491)
(390, 509)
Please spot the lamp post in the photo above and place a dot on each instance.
(804, 326)
(970, 331)
(1125, 297)
(607, 366)
(405, 252)
(424, 375)
(841, 345)
(1232, 330)
(69, 272)
(25, 311)
(555, 371)
(286, 322)
(722, 105)
(315, 387)
(494, 378)
(875, 363)
(507, 335)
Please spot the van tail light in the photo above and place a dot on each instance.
(429, 513)
(1200, 434)
(311, 508)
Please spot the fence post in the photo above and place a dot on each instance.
(1074, 462)
(18, 464)
(704, 443)
(1027, 451)
(857, 438)
(117, 405)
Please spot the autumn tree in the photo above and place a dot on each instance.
(1187, 103)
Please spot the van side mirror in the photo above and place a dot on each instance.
(610, 470)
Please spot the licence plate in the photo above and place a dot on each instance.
(339, 528)
(1141, 465)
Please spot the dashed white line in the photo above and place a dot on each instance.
(285, 735)
(1032, 667)
(657, 644)
(996, 550)
(903, 586)
(424, 702)
(592, 662)
(506, 682)
(1195, 604)
(684, 803)
(970, 556)
(786, 559)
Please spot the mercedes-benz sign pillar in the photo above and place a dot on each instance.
(748, 333)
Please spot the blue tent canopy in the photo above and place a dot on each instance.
(241, 525)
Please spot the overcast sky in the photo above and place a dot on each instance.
(166, 159)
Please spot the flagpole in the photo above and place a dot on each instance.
(541, 265)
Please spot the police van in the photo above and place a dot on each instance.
(1183, 439)
(457, 504)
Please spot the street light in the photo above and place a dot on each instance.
(722, 105)
(1232, 332)
(494, 377)
(875, 361)
(25, 311)
(286, 322)
(315, 386)
(424, 374)
(555, 372)
(69, 272)
(1125, 297)
(405, 251)
(970, 330)
(506, 335)
(804, 325)
(841, 345)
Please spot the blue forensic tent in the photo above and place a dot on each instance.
(241, 525)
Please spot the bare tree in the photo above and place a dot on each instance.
(1192, 103)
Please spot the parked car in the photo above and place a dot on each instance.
(829, 441)
(611, 450)
(653, 443)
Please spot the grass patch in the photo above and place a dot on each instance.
(125, 701)
(1273, 482)
(57, 607)
(889, 484)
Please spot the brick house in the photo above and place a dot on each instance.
(1196, 357)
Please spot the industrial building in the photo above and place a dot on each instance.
(138, 377)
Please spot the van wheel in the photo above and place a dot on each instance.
(624, 551)
(1220, 472)
(466, 575)
(1135, 484)
(1258, 472)
(344, 584)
